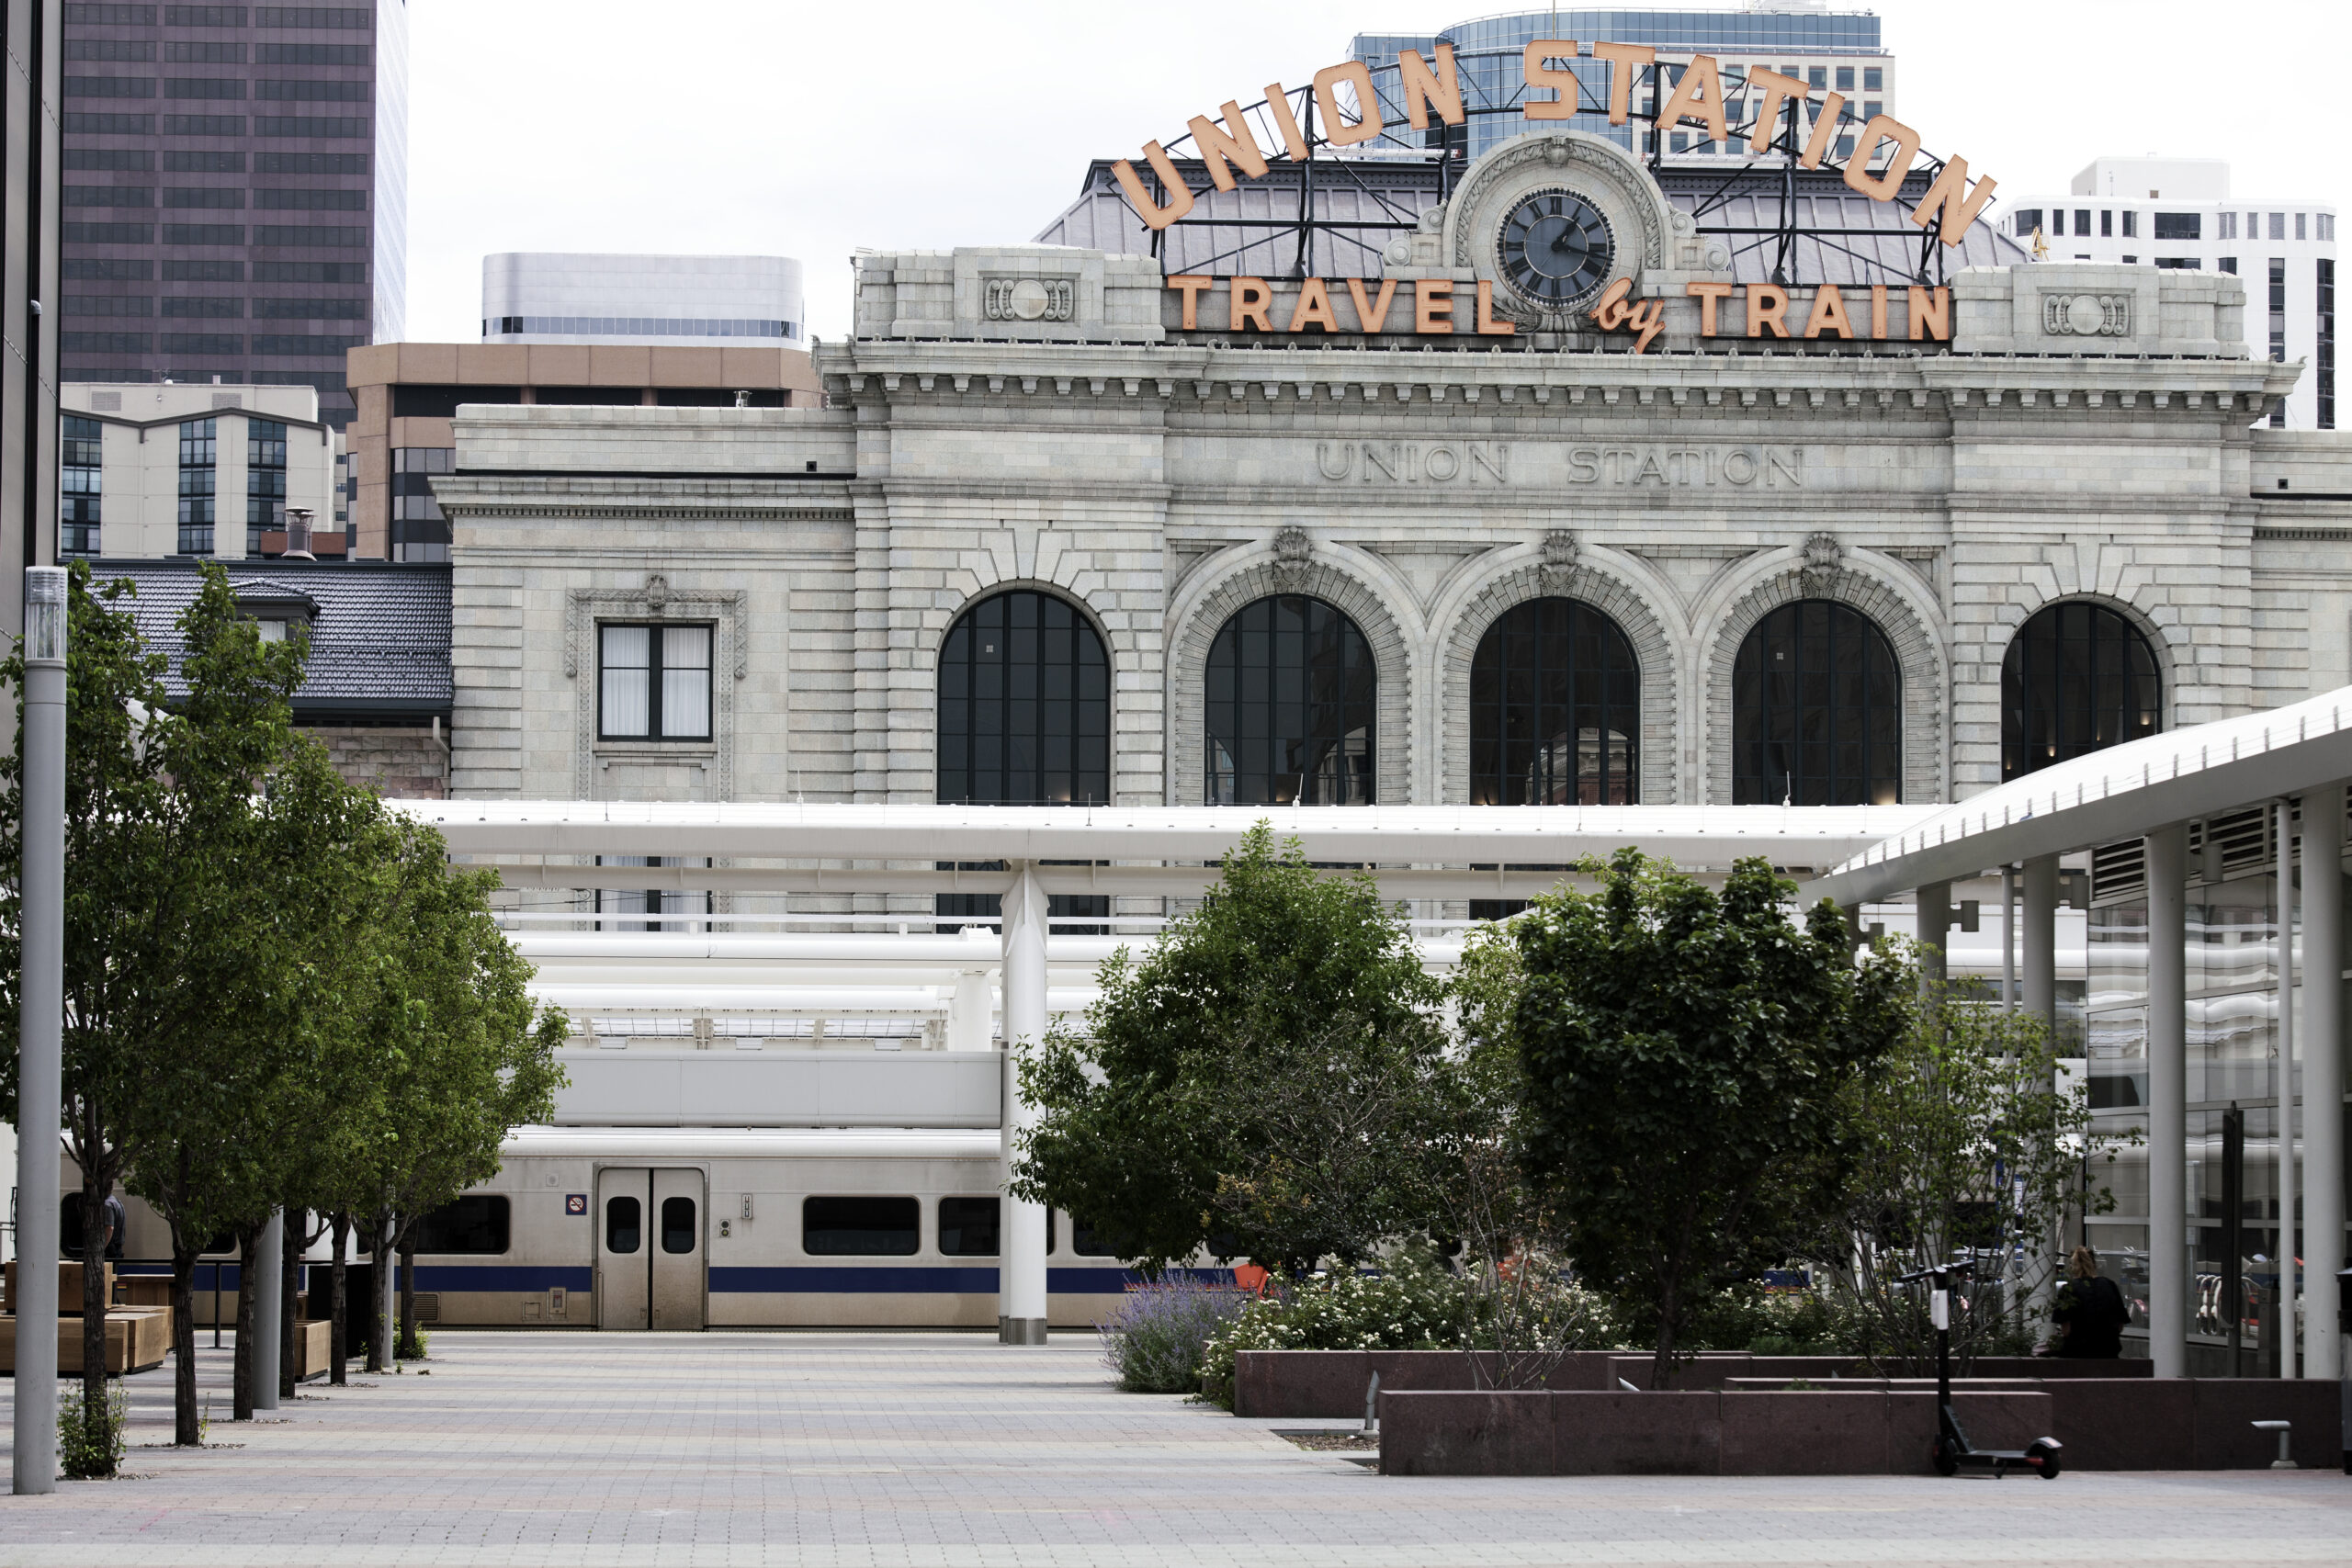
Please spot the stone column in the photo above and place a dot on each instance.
(1021, 1282)
(2323, 1074)
(2167, 869)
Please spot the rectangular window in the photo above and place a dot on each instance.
(265, 480)
(97, 16)
(203, 343)
(313, 345)
(108, 158)
(309, 272)
(307, 200)
(1817, 76)
(204, 125)
(2229, 222)
(109, 305)
(309, 91)
(314, 238)
(475, 1225)
(81, 445)
(109, 87)
(968, 1227)
(320, 17)
(310, 163)
(204, 15)
(225, 197)
(204, 233)
(1874, 79)
(2278, 225)
(2278, 419)
(2028, 218)
(83, 123)
(653, 683)
(109, 196)
(1873, 108)
(2299, 220)
(310, 310)
(219, 87)
(354, 128)
(106, 343)
(861, 1227)
(199, 454)
(2179, 263)
(1084, 1241)
(2179, 226)
(2323, 377)
(204, 272)
(2228, 265)
(110, 269)
(2131, 223)
(1845, 78)
(178, 52)
(428, 400)
(2082, 220)
(311, 55)
(204, 162)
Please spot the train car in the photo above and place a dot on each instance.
(684, 1229)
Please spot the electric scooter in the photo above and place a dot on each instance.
(1952, 1451)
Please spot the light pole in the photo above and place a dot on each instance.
(42, 918)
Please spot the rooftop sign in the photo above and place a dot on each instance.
(1696, 98)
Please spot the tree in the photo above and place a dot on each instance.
(1264, 1081)
(1687, 1054)
(1964, 1144)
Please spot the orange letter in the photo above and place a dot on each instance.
(1686, 104)
(1778, 90)
(1540, 76)
(1707, 294)
(1371, 315)
(1825, 126)
(1433, 305)
(1947, 195)
(1252, 301)
(1278, 105)
(1645, 320)
(1424, 91)
(1487, 325)
(1765, 303)
(1215, 146)
(1180, 195)
(1857, 168)
(1313, 308)
(1878, 310)
(1829, 313)
(1626, 56)
(1341, 132)
(1610, 311)
(1192, 288)
(1931, 318)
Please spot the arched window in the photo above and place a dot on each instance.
(1024, 719)
(1291, 707)
(1555, 709)
(1025, 705)
(2077, 677)
(1817, 710)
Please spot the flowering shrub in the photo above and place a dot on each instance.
(1156, 1337)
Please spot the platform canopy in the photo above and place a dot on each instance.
(2123, 792)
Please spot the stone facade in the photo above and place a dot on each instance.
(1158, 480)
(400, 763)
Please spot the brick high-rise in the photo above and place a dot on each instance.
(236, 191)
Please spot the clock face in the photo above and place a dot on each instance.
(1556, 248)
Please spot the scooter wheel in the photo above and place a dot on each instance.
(1939, 1454)
(2044, 1457)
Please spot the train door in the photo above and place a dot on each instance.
(649, 1249)
(677, 1251)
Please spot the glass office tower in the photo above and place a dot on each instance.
(1837, 50)
(236, 200)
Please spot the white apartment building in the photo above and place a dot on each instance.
(201, 470)
(703, 301)
(2179, 213)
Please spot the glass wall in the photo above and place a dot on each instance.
(1555, 709)
(1291, 707)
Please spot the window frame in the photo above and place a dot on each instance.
(1782, 715)
(1234, 691)
(1504, 688)
(2029, 690)
(655, 733)
(912, 1204)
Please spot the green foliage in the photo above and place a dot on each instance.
(1962, 1141)
(90, 1441)
(1155, 1339)
(415, 1343)
(1271, 1072)
(1412, 1304)
(1687, 1054)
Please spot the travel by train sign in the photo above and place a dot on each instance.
(1951, 202)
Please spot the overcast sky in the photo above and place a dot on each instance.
(789, 128)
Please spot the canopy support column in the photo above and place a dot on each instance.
(2167, 871)
(2040, 956)
(1021, 1284)
(1935, 931)
(2323, 1074)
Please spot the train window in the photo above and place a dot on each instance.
(475, 1224)
(677, 1225)
(861, 1227)
(621, 1218)
(1082, 1240)
(968, 1227)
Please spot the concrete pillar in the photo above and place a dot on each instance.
(1935, 930)
(2009, 938)
(971, 1011)
(2323, 1076)
(269, 1287)
(1021, 1283)
(41, 1026)
(2040, 959)
(388, 1304)
(2284, 873)
(2167, 864)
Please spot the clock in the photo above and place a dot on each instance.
(1556, 249)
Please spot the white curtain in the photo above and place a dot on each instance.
(625, 667)
(686, 681)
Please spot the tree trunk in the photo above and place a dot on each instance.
(1669, 1312)
(186, 1429)
(379, 1277)
(338, 1304)
(408, 1347)
(241, 1405)
(296, 1223)
(94, 1306)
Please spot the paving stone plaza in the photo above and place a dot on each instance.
(944, 1450)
